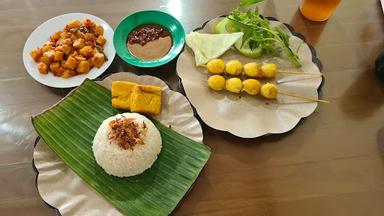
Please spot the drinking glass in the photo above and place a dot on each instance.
(318, 10)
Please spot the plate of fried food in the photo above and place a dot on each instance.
(65, 50)
(249, 75)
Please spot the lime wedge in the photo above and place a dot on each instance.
(247, 51)
(221, 27)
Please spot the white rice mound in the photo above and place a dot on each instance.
(126, 162)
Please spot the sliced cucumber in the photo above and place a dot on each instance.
(225, 26)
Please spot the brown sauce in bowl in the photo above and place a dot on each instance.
(149, 42)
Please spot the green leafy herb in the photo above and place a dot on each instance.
(259, 33)
(245, 3)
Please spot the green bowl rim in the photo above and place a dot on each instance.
(177, 45)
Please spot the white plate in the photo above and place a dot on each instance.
(42, 33)
(61, 188)
(250, 116)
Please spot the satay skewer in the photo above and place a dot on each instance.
(252, 69)
(252, 87)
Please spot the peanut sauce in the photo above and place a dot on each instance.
(149, 42)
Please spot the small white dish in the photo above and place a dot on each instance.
(42, 33)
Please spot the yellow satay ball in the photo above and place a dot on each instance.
(216, 82)
(251, 86)
(269, 90)
(234, 85)
(234, 67)
(269, 70)
(252, 70)
(216, 66)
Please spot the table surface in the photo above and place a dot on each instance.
(330, 164)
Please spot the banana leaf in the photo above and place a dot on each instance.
(68, 129)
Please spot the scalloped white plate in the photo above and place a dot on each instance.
(251, 116)
(61, 188)
(41, 34)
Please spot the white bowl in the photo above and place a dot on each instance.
(42, 33)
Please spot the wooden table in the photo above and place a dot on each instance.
(330, 164)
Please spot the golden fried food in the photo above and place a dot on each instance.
(216, 66)
(146, 99)
(269, 90)
(79, 43)
(251, 86)
(234, 67)
(98, 59)
(58, 57)
(136, 98)
(234, 85)
(68, 73)
(42, 67)
(83, 67)
(252, 70)
(216, 82)
(121, 94)
(44, 59)
(269, 70)
(101, 40)
(73, 50)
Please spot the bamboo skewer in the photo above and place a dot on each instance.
(302, 97)
(301, 73)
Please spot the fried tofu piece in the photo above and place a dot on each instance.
(83, 67)
(86, 51)
(42, 67)
(146, 99)
(59, 56)
(68, 73)
(36, 54)
(98, 59)
(121, 94)
(101, 40)
(71, 63)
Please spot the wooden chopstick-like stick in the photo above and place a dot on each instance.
(301, 73)
(302, 97)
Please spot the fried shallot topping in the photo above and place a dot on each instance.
(127, 132)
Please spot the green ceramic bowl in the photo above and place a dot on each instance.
(132, 21)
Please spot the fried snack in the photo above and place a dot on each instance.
(216, 82)
(42, 67)
(253, 70)
(234, 85)
(121, 94)
(73, 50)
(234, 67)
(83, 67)
(269, 70)
(251, 86)
(216, 66)
(98, 59)
(146, 99)
(269, 90)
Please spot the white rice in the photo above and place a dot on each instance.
(126, 162)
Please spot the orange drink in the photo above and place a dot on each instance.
(318, 10)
